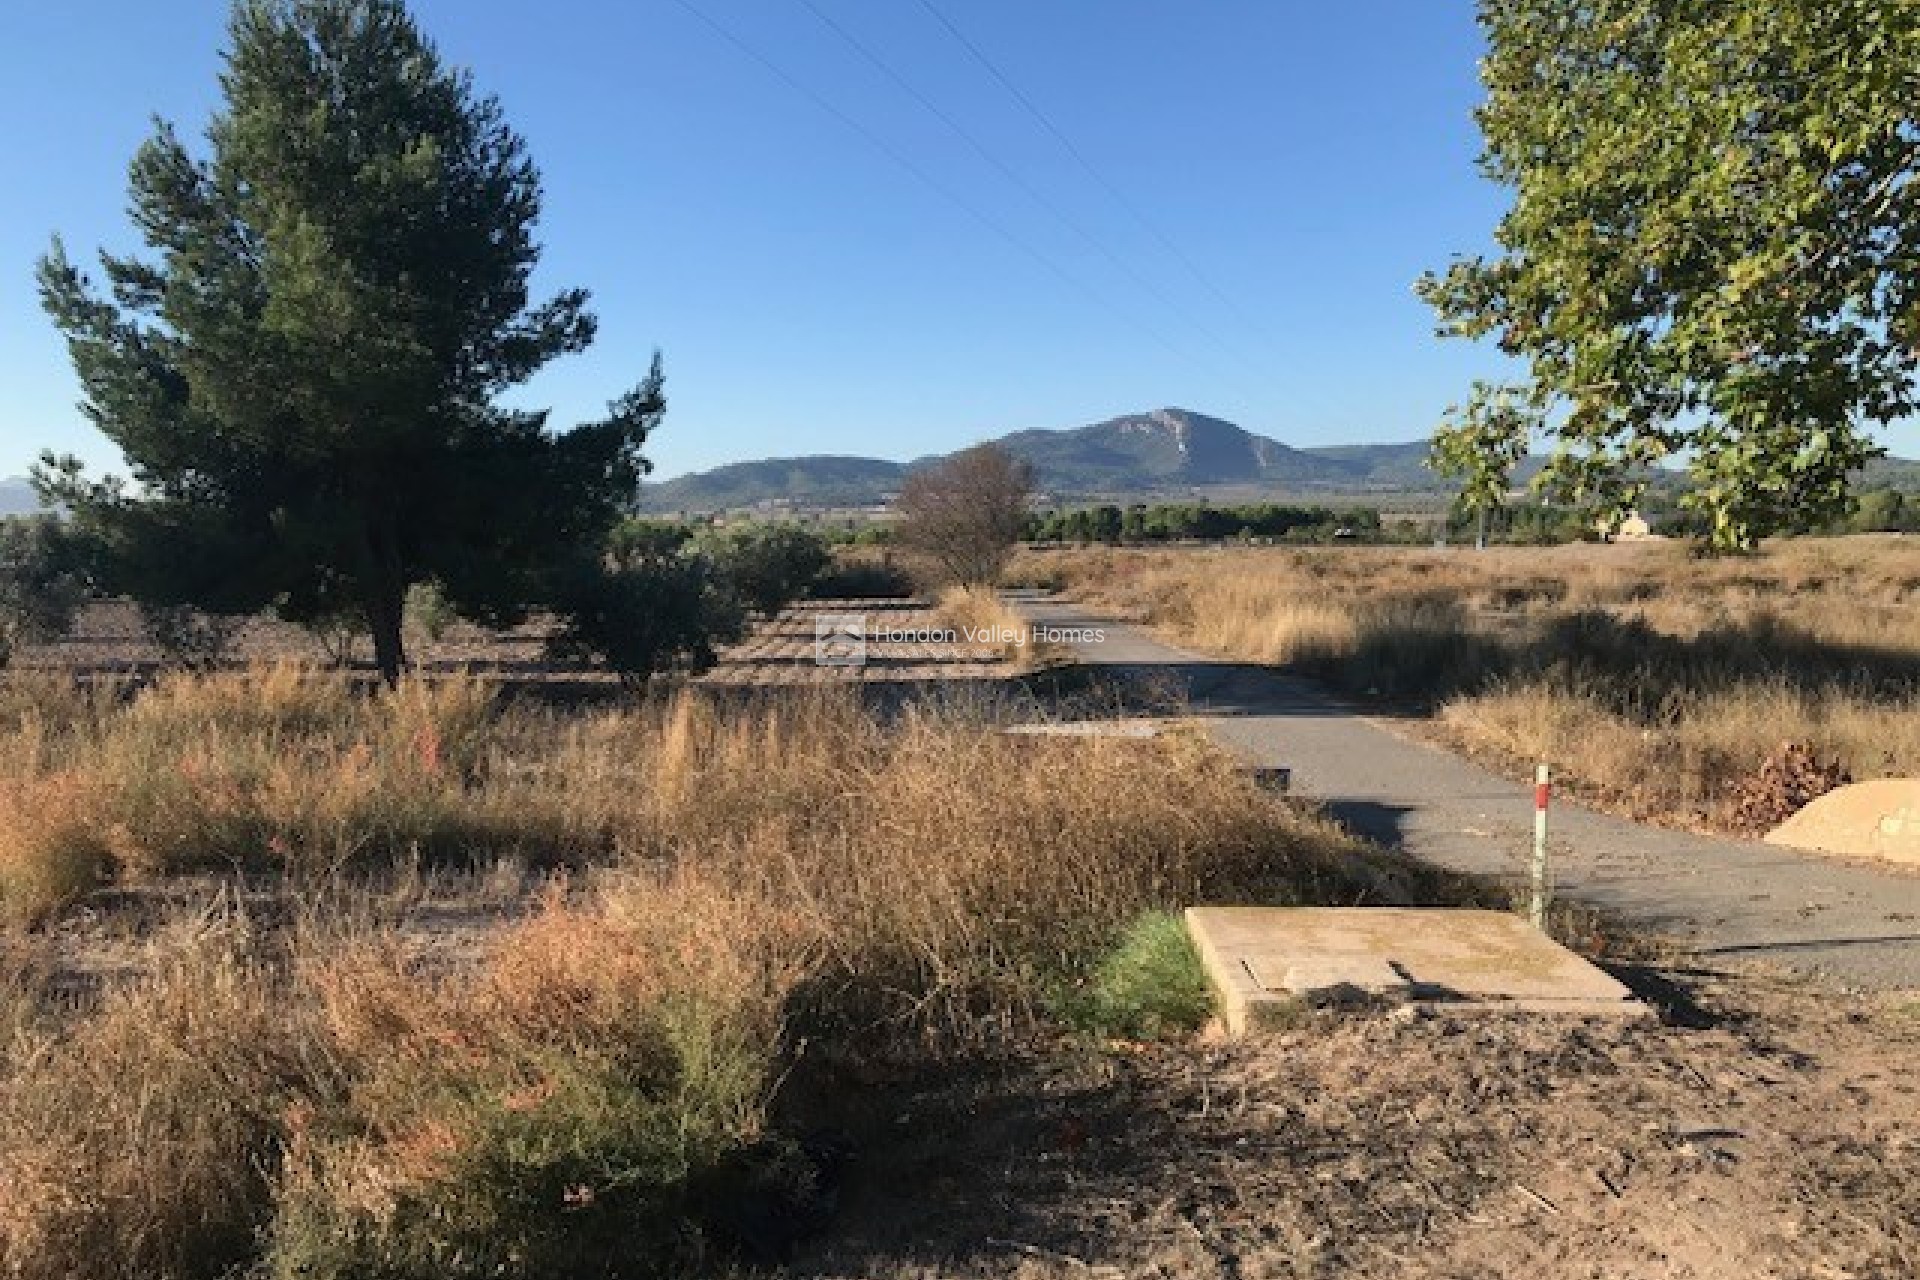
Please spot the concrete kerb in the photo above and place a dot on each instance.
(1268, 963)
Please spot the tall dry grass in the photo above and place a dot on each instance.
(141, 1139)
(980, 616)
(1659, 682)
(332, 1096)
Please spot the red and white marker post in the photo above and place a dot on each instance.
(1542, 793)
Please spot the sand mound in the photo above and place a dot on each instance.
(1866, 819)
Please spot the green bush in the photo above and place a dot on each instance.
(188, 638)
(768, 566)
(647, 615)
(429, 614)
(863, 576)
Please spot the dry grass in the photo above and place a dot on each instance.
(51, 851)
(980, 616)
(139, 1141)
(1658, 682)
(330, 1096)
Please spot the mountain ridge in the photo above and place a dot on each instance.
(1164, 452)
(1160, 454)
(17, 497)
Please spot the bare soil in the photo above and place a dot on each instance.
(1763, 1129)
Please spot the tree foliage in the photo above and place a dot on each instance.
(1480, 445)
(303, 372)
(964, 515)
(1713, 250)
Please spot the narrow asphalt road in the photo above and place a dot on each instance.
(1721, 898)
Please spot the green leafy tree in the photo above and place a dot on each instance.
(1480, 444)
(1885, 511)
(304, 371)
(41, 583)
(1711, 251)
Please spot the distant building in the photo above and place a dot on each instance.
(1632, 527)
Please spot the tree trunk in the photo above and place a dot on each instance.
(386, 614)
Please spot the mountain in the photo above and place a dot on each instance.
(17, 497)
(1891, 473)
(1385, 466)
(1167, 453)
(1169, 449)
(824, 480)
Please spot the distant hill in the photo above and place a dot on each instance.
(1169, 449)
(1891, 473)
(824, 480)
(17, 497)
(1168, 452)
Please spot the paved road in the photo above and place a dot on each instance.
(1723, 898)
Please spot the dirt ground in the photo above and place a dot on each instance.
(1762, 1129)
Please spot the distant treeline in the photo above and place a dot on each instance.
(1517, 524)
(1537, 524)
(1875, 511)
(1175, 522)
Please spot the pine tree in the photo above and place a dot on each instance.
(304, 371)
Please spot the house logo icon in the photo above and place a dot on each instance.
(840, 639)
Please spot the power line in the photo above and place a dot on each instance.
(1079, 158)
(905, 162)
(1012, 175)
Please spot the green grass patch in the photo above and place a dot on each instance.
(1148, 986)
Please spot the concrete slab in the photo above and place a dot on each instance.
(1268, 962)
(1865, 820)
(1088, 729)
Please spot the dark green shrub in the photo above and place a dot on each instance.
(767, 566)
(648, 615)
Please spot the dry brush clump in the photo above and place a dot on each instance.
(52, 850)
(982, 618)
(546, 1115)
(328, 1106)
(944, 864)
(1660, 682)
(330, 1095)
(140, 1140)
(284, 769)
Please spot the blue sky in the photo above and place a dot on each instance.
(1285, 172)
